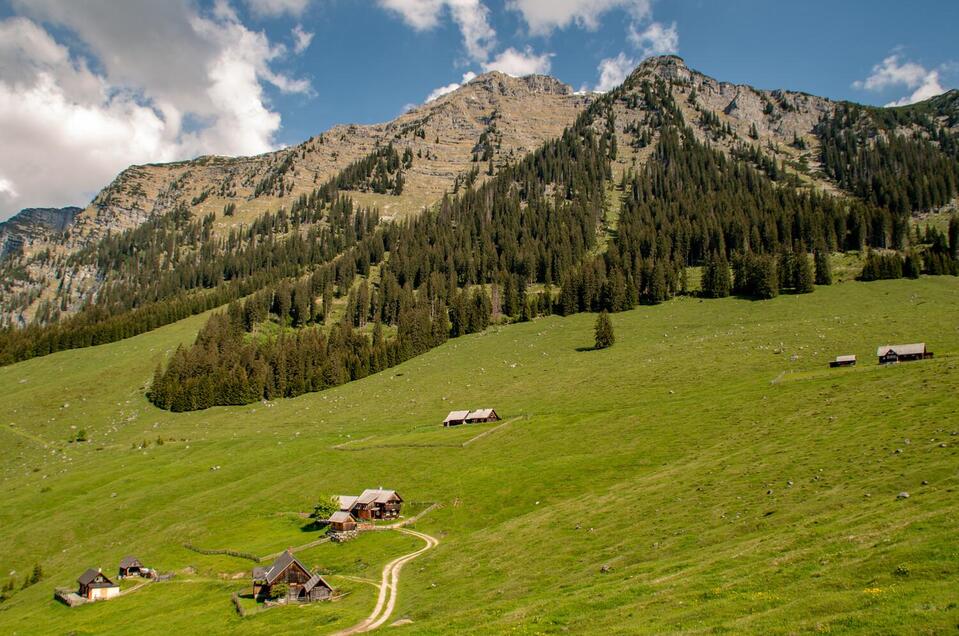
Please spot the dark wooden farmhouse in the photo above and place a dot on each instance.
(131, 566)
(482, 415)
(843, 361)
(95, 585)
(342, 521)
(373, 504)
(455, 418)
(891, 354)
(302, 585)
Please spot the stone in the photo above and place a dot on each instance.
(606, 569)
(903, 495)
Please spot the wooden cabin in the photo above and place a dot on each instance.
(843, 361)
(455, 418)
(96, 586)
(303, 585)
(891, 354)
(373, 504)
(131, 566)
(342, 521)
(482, 415)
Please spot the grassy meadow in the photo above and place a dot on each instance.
(730, 481)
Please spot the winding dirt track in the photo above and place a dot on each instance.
(389, 582)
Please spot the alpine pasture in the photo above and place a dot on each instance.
(707, 473)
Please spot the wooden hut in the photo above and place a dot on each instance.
(482, 415)
(844, 361)
(96, 586)
(455, 418)
(891, 354)
(342, 521)
(302, 585)
(373, 504)
(131, 566)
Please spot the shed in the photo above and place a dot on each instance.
(843, 361)
(302, 585)
(482, 415)
(455, 418)
(342, 521)
(130, 566)
(890, 354)
(96, 586)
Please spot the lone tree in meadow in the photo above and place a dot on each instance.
(604, 331)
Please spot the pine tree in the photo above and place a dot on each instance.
(604, 331)
(802, 274)
(823, 268)
(954, 235)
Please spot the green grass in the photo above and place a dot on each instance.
(667, 457)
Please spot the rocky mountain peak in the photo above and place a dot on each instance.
(509, 86)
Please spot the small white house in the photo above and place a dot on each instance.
(97, 586)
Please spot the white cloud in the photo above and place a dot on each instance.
(655, 39)
(519, 63)
(301, 39)
(542, 16)
(68, 130)
(471, 16)
(274, 8)
(449, 88)
(892, 72)
(613, 70)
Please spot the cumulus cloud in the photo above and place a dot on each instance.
(449, 88)
(893, 72)
(301, 39)
(67, 129)
(520, 63)
(655, 39)
(543, 16)
(613, 70)
(274, 8)
(471, 16)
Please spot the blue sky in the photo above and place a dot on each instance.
(87, 88)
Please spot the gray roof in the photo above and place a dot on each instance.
(347, 502)
(130, 562)
(315, 580)
(480, 414)
(90, 575)
(374, 495)
(282, 562)
(903, 349)
(456, 416)
(341, 516)
(850, 358)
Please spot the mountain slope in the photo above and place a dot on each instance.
(720, 501)
(447, 139)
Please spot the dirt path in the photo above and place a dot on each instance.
(389, 583)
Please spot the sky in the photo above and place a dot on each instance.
(89, 87)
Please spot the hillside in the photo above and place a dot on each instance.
(729, 479)
(447, 137)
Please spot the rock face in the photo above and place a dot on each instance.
(32, 224)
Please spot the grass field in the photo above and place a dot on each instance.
(730, 481)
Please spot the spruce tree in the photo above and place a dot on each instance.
(802, 274)
(823, 268)
(604, 331)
